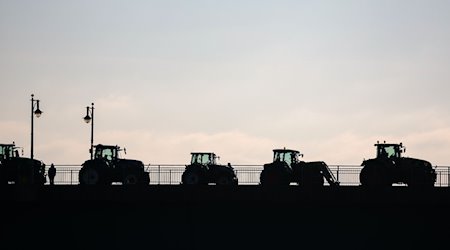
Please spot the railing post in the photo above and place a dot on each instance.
(159, 174)
(448, 176)
(170, 177)
(337, 174)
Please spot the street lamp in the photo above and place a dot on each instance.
(35, 111)
(90, 116)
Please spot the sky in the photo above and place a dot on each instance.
(238, 78)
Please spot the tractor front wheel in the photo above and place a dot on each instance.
(225, 180)
(374, 176)
(130, 179)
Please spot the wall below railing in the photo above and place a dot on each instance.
(217, 217)
(170, 174)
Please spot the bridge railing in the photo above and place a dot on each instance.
(170, 174)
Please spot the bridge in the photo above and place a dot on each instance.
(170, 174)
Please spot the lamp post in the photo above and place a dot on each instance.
(90, 116)
(35, 111)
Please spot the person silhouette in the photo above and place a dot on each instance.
(51, 174)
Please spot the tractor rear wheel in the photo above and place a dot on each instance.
(420, 179)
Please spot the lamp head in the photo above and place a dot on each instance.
(37, 112)
(87, 119)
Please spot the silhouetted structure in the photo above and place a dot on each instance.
(52, 174)
(286, 168)
(390, 167)
(107, 167)
(19, 170)
(204, 169)
(219, 217)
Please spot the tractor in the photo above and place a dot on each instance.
(204, 170)
(287, 168)
(106, 167)
(390, 167)
(20, 170)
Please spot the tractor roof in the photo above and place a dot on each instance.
(202, 153)
(10, 145)
(388, 144)
(285, 150)
(106, 146)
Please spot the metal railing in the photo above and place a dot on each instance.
(170, 174)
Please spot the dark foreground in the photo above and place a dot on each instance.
(212, 217)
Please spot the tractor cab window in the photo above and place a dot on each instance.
(277, 156)
(206, 159)
(106, 153)
(9, 152)
(288, 157)
(6, 152)
(201, 158)
(294, 157)
(212, 159)
(388, 151)
(195, 159)
(2, 153)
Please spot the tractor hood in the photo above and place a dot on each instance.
(28, 161)
(418, 162)
(130, 162)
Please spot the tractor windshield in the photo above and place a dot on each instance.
(287, 156)
(6, 152)
(105, 153)
(388, 151)
(202, 158)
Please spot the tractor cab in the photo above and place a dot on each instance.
(107, 152)
(286, 155)
(8, 151)
(389, 150)
(203, 158)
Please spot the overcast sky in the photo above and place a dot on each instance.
(240, 78)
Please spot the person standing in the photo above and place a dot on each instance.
(51, 174)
